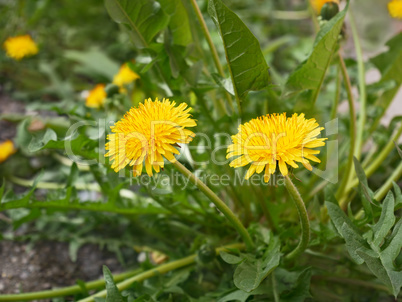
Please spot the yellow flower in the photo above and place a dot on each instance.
(6, 150)
(148, 133)
(125, 76)
(96, 97)
(318, 4)
(275, 138)
(20, 46)
(395, 8)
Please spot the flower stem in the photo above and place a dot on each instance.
(211, 45)
(66, 291)
(218, 203)
(362, 89)
(305, 224)
(162, 269)
(352, 115)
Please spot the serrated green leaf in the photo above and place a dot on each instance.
(179, 23)
(247, 66)
(392, 279)
(386, 221)
(353, 242)
(310, 74)
(338, 217)
(145, 18)
(113, 294)
(393, 249)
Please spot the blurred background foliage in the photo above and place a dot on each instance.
(47, 197)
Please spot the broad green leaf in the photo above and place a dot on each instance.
(386, 221)
(247, 66)
(230, 258)
(40, 140)
(338, 217)
(310, 74)
(113, 294)
(300, 290)
(179, 23)
(250, 273)
(145, 18)
(367, 195)
(93, 60)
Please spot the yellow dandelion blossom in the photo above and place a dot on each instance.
(6, 150)
(125, 76)
(395, 9)
(318, 4)
(275, 139)
(96, 97)
(20, 46)
(148, 133)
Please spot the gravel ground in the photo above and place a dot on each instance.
(46, 265)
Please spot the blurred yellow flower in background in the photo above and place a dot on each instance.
(318, 4)
(6, 150)
(125, 76)
(20, 46)
(275, 139)
(96, 97)
(148, 133)
(395, 8)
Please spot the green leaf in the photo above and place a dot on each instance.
(250, 273)
(389, 254)
(179, 23)
(145, 18)
(398, 196)
(247, 66)
(386, 221)
(41, 139)
(392, 279)
(354, 241)
(300, 290)
(113, 294)
(310, 74)
(93, 60)
(230, 258)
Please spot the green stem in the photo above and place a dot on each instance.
(305, 224)
(66, 291)
(379, 195)
(218, 203)
(337, 95)
(352, 131)
(362, 89)
(212, 48)
(162, 269)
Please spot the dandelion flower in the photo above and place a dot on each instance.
(395, 8)
(148, 133)
(20, 46)
(6, 150)
(125, 76)
(96, 97)
(318, 4)
(275, 139)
